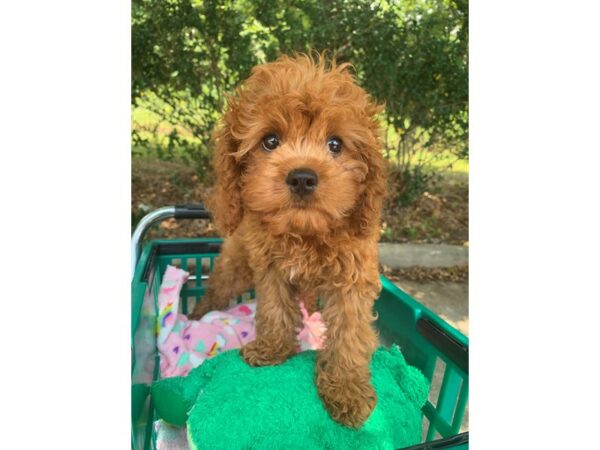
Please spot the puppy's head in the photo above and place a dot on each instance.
(299, 146)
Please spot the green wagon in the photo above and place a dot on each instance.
(427, 342)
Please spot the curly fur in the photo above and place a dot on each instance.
(325, 246)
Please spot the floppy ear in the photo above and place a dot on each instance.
(366, 218)
(225, 202)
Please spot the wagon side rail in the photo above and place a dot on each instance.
(188, 211)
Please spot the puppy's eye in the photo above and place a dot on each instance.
(270, 142)
(335, 145)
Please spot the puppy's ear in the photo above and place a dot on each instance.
(366, 218)
(225, 202)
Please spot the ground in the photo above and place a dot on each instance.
(439, 215)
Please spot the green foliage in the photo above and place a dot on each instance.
(414, 181)
(410, 54)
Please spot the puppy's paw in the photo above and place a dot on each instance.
(258, 354)
(349, 400)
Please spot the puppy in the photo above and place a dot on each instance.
(298, 195)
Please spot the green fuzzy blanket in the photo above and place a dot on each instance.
(230, 405)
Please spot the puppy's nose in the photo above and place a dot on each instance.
(302, 181)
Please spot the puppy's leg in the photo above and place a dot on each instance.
(230, 277)
(277, 317)
(343, 375)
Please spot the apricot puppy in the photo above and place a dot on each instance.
(298, 196)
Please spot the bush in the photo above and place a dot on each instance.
(412, 55)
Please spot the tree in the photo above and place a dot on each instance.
(410, 54)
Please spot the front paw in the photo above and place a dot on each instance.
(258, 354)
(349, 399)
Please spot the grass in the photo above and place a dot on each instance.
(452, 164)
(156, 137)
(445, 161)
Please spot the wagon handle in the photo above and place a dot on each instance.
(189, 211)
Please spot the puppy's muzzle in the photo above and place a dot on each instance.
(302, 182)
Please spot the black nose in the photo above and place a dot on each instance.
(302, 181)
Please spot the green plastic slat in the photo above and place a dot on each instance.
(198, 273)
(445, 404)
(461, 406)
(184, 266)
(435, 423)
(155, 290)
